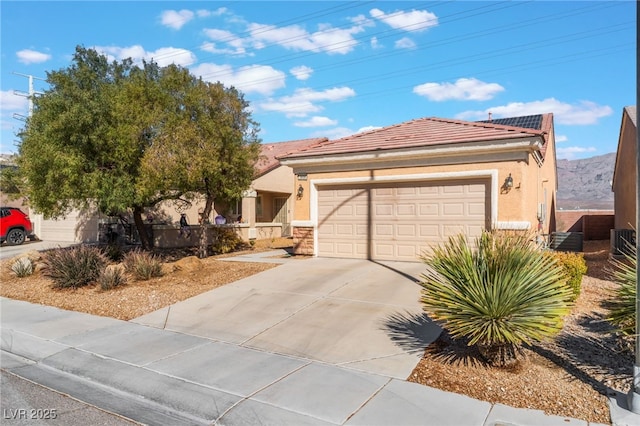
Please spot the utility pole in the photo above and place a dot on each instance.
(28, 95)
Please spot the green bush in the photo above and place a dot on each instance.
(225, 240)
(114, 252)
(22, 267)
(73, 267)
(497, 293)
(574, 267)
(622, 306)
(112, 277)
(142, 265)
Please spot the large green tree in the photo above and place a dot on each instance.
(125, 137)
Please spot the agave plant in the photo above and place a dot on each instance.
(623, 303)
(498, 293)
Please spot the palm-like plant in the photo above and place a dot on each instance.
(498, 293)
(623, 303)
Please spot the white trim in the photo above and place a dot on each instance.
(492, 174)
(513, 225)
(302, 223)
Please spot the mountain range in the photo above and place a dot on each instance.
(586, 183)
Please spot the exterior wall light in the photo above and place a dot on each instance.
(300, 192)
(507, 185)
(508, 182)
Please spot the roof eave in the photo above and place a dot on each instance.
(530, 145)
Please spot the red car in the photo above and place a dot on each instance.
(15, 226)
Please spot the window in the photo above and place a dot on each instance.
(259, 205)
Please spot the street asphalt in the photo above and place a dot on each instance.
(310, 342)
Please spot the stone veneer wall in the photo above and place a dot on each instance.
(303, 240)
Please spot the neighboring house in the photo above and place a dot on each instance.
(625, 177)
(265, 210)
(391, 193)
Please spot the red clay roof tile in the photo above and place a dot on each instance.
(271, 152)
(423, 132)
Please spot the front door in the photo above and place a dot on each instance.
(280, 215)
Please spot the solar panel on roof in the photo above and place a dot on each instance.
(527, 121)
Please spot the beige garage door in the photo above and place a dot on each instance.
(398, 221)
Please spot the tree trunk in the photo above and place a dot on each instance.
(142, 231)
(204, 220)
(499, 355)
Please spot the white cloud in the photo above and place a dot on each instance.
(212, 48)
(572, 152)
(28, 56)
(415, 20)
(561, 138)
(375, 43)
(294, 37)
(581, 113)
(405, 43)
(465, 89)
(368, 129)
(204, 13)
(261, 79)
(336, 133)
(303, 101)
(290, 108)
(176, 19)
(316, 122)
(302, 72)
(10, 102)
(163, 56)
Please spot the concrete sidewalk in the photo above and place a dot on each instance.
(193, 364)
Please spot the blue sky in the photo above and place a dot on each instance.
(316, 68)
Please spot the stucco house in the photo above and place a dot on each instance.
(625, 179)
(264, 212)
(391, 193)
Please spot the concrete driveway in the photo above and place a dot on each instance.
(353, 313)
(7, 251)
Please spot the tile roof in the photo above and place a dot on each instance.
(425, 132)
(271, 152)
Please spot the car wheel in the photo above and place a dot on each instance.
(15, 237)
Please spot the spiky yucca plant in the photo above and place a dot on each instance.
(499, 293)
(623, 302)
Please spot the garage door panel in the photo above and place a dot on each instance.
(406, 230)
(453, 209)
(345, 230)
(452, 230)
(406, 218)
(429, 231)
(384, 230)
(476, 209)
(426, 190)
(429, 209)
(381, 192)
(453, 189)
(384, 210)
(406, 209)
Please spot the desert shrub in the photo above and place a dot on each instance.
(498, 293)
(142, 265)
(574, 267)
(622, 307)
(112, 277)
(23, 267)
(114, 252)
(225, 240)
(73, 267)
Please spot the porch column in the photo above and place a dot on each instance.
(249, 211)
